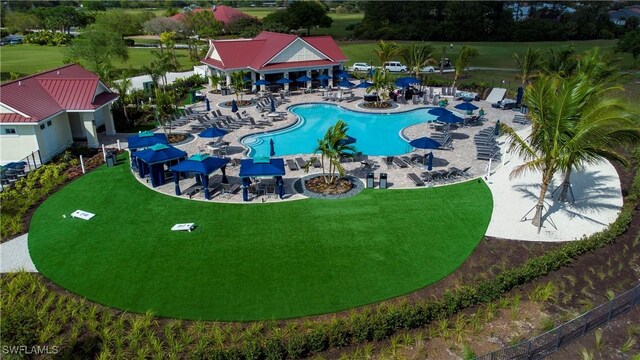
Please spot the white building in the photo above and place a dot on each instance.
(47, 112)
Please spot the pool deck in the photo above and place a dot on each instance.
(597, 190)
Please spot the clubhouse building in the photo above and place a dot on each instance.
(273, 56)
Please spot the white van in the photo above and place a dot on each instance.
(394, 66)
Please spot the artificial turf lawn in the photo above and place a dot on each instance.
(251, 261)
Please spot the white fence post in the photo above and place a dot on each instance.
(118, 142)
(104, 153)
(82, 164)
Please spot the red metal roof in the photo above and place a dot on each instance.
(42, 95)
(255, 53)
(221, 13)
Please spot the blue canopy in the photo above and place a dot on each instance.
(212, 132)
(303, 78)
(439, 111)
(466, 106)
(364, 85)
(261, 82)
(152, 159)
(202, 165)
(253, 168)
(342, 75)
(234, 105)
(284, 81)
(406, 81)
(346, 84)
(425, 143)
(450, 118)
(145, 139)
(519, 95)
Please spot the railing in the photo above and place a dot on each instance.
(547, 343)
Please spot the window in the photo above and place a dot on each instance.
(41, 126)
(9, 131)
(49, 123)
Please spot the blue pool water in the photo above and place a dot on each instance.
(375, 134)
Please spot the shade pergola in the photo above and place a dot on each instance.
(202, 165)
(261, 167)
(145, 139)
(153, 159)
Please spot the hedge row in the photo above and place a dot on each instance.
(388, 319)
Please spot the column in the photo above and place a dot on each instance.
(262, 87)
(253, 81)
(330, 77)
(110, 128)
(90, 130)
(286, 76)
(309, 82)
(228, 78)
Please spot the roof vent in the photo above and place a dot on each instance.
(19, 83)
(58, 72)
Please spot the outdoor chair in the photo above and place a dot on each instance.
(417, 159)
(213, 188)
(292, 165)
(253, 191)
(192, 190)
(229, 189)
(416, 180)
(300, 162)
(389, 161)
(270, 190)
(398, 162)
(427, 176)
(316, 163)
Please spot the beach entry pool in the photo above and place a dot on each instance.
(376, 134)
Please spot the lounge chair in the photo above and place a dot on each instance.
(292, 165)
(301, 163)
(228, 189)
(316, 163)
(389, 161)
(416, 180)
(192, 190)
(398, 162)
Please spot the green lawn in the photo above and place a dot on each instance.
(30, 59)
(251, 261)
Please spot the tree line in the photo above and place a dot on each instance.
(485, 21)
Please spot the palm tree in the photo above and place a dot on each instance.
(416, 56)
(122, 88)
(381, 82)
(333, 147)
(237, 81)
(385, 51)
(155, 75)
(554, 104)
(528, 65)
(562, 62)
(463, 60)
(163, 64)
(214, 80)
(164, 108)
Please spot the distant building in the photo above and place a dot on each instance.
(522, 10)
(619, 17)
(222, 13)
(273, 56)
(46, 112)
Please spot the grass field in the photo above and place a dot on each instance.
(251, 261)
(30, 59)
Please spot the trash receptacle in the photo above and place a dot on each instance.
(224, 91)
(111, 159)
(383, 181)
(370, 180)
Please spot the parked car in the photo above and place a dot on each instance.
(359, 66)
(428, 69)
(394, 66)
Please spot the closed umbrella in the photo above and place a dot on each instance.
(519, 96)
(234, 105)
(272, 150)
(207, 104)
(496, 131)
(273, 106)
(430, 161)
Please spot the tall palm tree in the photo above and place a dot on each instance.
(122, 88)
(164, 108)
(386, 51)
(237, 80)
(416, 56)
(562, 62)
(333, 147)
(554, 104)
(380, 83)
(155, 75)
(163, 63)
(461, 63)
(528, 65)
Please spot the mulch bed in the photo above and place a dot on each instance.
(320, 186)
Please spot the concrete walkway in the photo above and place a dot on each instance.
(14, 256)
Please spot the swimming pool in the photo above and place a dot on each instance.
(376, 134)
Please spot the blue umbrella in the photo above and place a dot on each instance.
(284, 81)
(272, 149)
(466, 106)
(496, 131)
(450, 118)
(345, 83)
(519, 95)
(406, 81)
(342, 75)
(212, 132)
(439, 111)
(323, 77)
(430, 161)
(425, 143)
(246, 79)
(303, 78)
(262, 82)
(364, 85)
(208, 105)
(234, 105)
(273, 106)
(348, 140)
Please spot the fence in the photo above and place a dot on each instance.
(553, 340)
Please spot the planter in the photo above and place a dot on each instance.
(356, 186)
